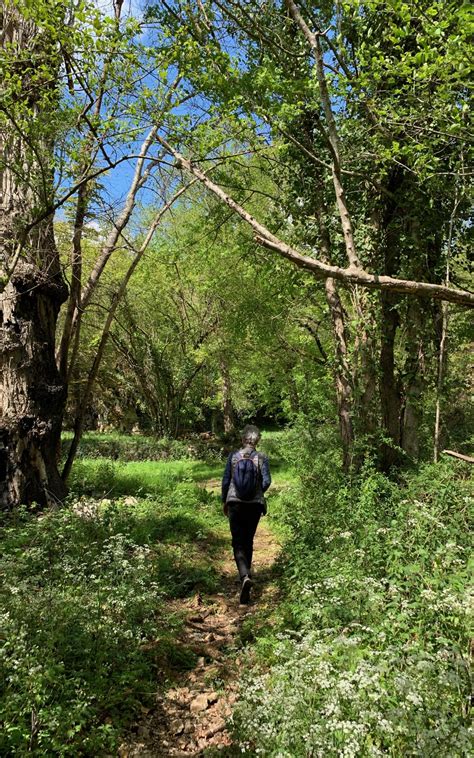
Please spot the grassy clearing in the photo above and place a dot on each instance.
(140, 447)
(106, 477)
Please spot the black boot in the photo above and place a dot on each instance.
(245, 591)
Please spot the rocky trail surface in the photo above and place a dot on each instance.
(190, 718)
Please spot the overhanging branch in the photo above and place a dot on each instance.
(371, 281)
(350, 275)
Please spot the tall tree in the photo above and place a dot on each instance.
(33, 289)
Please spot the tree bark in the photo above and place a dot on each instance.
(342, 372)
(227, 407)
(390, 392)
(32, 395)
(390, 399)
(414, 382)
(442, 368)
(343, 385)
(443, 343)
(364, 371)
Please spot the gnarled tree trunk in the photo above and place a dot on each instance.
(32, 395)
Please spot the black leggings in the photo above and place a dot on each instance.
(243, 520)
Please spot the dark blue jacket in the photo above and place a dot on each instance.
(229, 494)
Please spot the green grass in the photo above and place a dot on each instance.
(115, 478)
(103, 476)
(139, 447)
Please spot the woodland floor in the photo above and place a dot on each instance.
(190, 718)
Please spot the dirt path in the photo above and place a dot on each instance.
(190, 719)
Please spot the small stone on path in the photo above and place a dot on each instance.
(177, 727)
(199, 703)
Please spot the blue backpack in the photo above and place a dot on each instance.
(245, 476)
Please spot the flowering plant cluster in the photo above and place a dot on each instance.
(87, 627)
(378, 607)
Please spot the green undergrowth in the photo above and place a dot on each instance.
(88, 632)
(276, 446)
(367, 654)
(140, 447)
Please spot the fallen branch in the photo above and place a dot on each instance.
(461, 457)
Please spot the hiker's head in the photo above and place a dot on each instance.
(250, 435)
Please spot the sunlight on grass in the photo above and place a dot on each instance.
(114, 479)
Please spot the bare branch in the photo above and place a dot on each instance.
(79, 421)
(346, 223)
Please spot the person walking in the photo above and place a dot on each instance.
(246, 479)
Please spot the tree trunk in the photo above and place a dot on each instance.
(32, 395)
(442, 367)
(414, 383)
(341, 374)
(443, 341)
(365, 376)
(390, 399)
(227, 407)
(390, 395)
